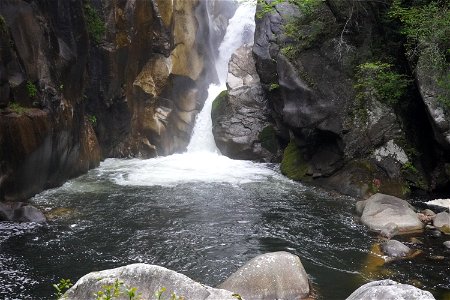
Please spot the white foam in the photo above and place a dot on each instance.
(184, 168)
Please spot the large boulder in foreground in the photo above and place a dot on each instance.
(277, 275)
(381, 211)
(147, 279)
(389, 289)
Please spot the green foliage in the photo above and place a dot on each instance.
(115, 290)
(61, 287)
(293, 164)
(17, 108)
(237, 296)
(305, 31)
(426, 25)
(268, 139)
(95, 25)
(376, 80)
(274, 86)
(265, 8)
(173, 296)
(31, 89)
(92, 119)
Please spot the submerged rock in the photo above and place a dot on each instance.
(442, 222)
(380, 211)
(278, 275)
(395, 249)
(147, 279)
(447, 244)
(389, 289)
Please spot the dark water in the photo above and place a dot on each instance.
(203, 230)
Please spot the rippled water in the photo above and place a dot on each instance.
(130, 211)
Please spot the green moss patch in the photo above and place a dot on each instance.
(268, 139)
(218, 104)
(293, 165)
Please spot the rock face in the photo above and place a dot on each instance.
(147, 279)
(381, 211)
(389, 289)
(240, 117)
(278, 275)
(341, 140)
(85, 80)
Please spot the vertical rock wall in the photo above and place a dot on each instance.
(88, 79)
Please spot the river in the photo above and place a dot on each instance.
(198, 213)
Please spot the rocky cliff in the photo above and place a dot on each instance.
(84, 80)
(353, 110)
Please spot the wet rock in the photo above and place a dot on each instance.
(389, 289)
(436, 233)
(395, 249)
(20, 212)
(389, 230)
(278, 275)
(442, 222)
(447, 244)
(240, 117)
(380, 210)
(428, 212)
(147, 279)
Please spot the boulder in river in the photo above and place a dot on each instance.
(395, 249)
(20, 212)
(381, 210)
(442, 222)
(277, 275)
(389, 289)
(147, 279)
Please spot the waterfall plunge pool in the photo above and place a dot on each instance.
(204, 225)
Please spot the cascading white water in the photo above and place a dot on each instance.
(236, 35)
(202, 162)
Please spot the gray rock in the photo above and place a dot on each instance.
(241, 115)
(20, 212)
(389, 230)
(380, 210)
(447, 244)
(147, 279)
(436, 233)
(278, 275)
(442, 222)
(395, 249)
(389, 289)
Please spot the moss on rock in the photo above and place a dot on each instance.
(268, 139)
(218, 104)
(293, 164)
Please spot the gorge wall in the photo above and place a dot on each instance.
(340, 124)
(84, 80)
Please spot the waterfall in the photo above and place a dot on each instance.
(202, 162)
(239, 31)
